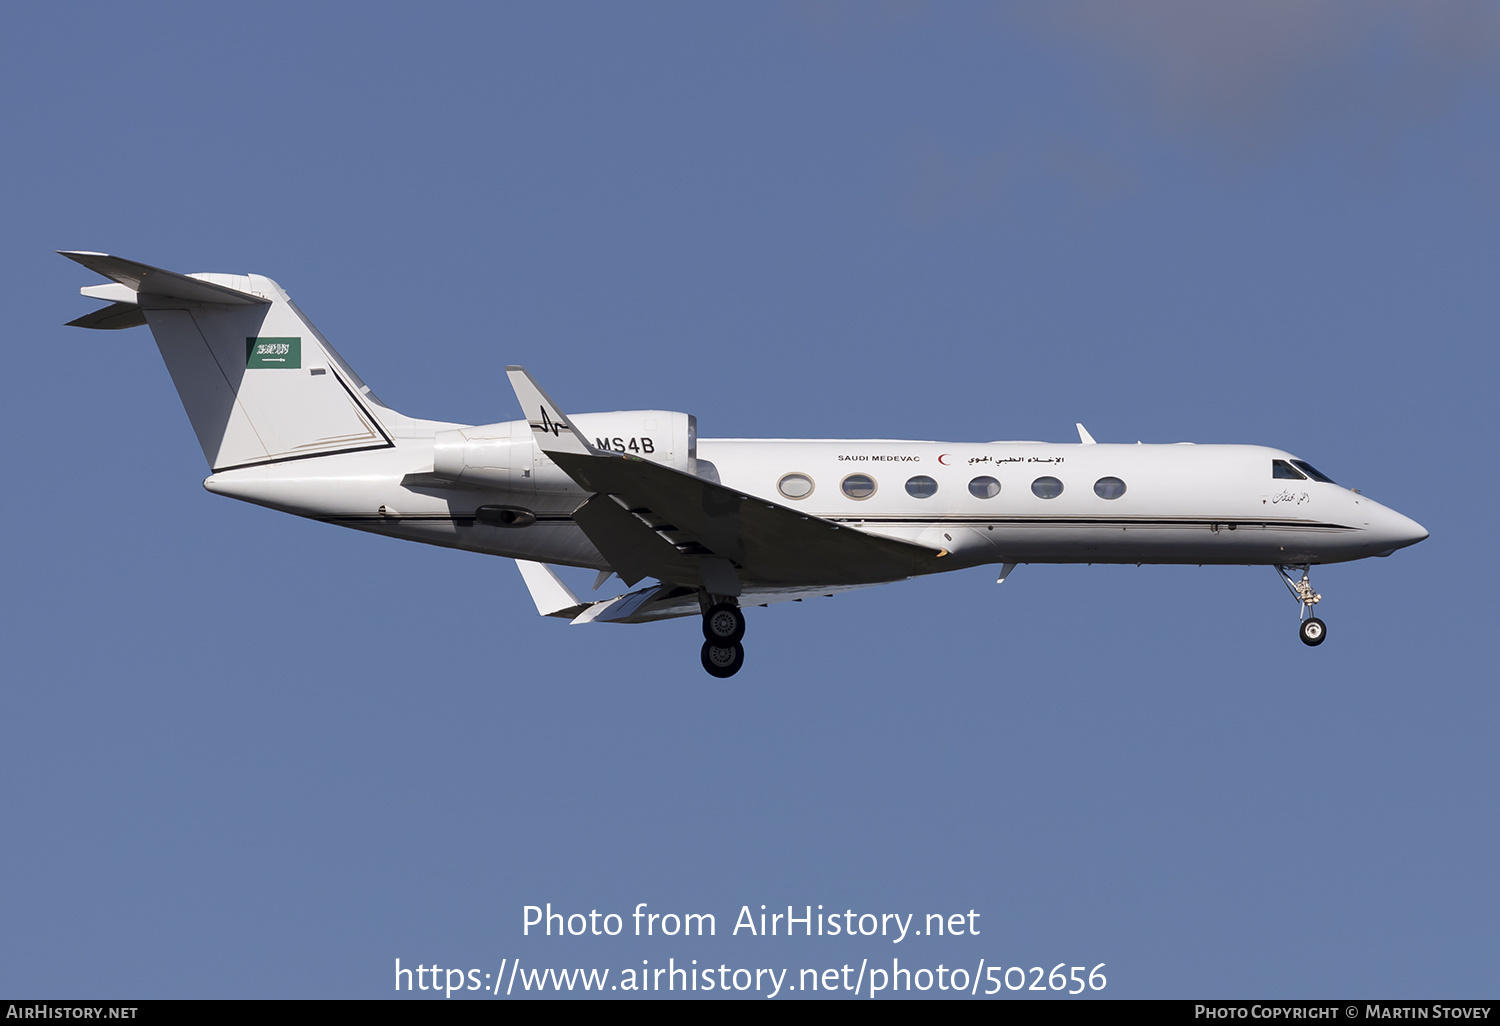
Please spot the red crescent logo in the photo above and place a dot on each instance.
(943, 459)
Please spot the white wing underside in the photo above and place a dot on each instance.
(655, 602)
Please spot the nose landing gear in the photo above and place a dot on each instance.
(1311, 630)
(723, 627)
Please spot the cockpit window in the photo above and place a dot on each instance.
(1283, 470)
(1312, 472)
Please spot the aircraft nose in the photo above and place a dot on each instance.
(1393, 531)
(1418, 532)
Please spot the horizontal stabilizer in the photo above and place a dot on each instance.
(112, 317)
(110, 292)
(144, 279)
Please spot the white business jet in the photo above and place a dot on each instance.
(719, 524)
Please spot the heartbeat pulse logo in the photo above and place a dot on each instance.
(550, 425)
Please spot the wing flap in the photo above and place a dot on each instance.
(633, 549)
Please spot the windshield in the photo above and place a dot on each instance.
(1312, 472)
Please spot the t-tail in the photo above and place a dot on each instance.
(259, 383)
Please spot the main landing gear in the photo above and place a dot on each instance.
(723, 627)
(1312, 630)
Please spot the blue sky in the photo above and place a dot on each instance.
(248, 755)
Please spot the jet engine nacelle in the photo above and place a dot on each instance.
(487, 456)
(506, 456)
(656, 435)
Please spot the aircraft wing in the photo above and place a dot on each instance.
(693, 518)
(650, 520)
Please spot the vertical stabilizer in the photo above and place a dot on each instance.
(259, 383)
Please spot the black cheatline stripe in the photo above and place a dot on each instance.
(305, 456)
(468, 520)
(435, 518)
(1082, 522)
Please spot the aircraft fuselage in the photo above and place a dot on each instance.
(981, 502)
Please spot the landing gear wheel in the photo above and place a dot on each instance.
(1313, 631)
(724, 624)
(723, 660)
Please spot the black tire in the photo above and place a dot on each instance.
(1313, 631)
(723, 661)
(724, 624)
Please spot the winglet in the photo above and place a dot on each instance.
(554, 431)
(1084, 438)
(551, 595)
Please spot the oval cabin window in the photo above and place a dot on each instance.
(984, 488)
(1046, 488)
(1109, 488)
(921, 487)
(858, 486)
(795, 486)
